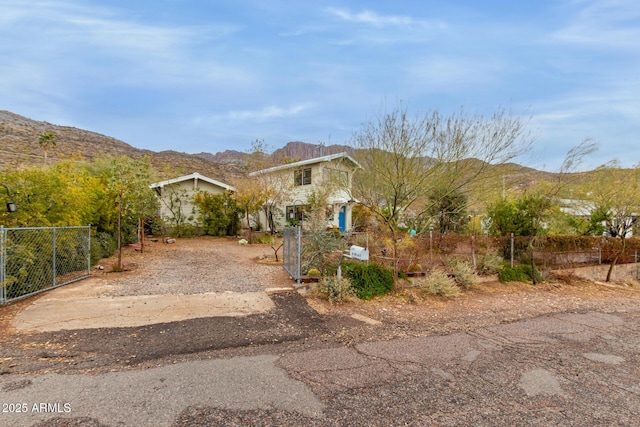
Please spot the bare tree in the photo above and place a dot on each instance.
(405, 158)
(618, 195)
(262, 185)
(540, 204)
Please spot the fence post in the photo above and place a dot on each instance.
(431, 247)
(89, 250)
(600, 253)
(299, 246)
(54, 257)
(512, 243)
(3, 289)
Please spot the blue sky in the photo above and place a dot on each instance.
(212, 75)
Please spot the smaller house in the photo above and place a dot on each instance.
(299, 181)
(177, 196)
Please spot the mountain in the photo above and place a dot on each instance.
(19, 147)
(226, 157)
(19, 137)
(297, 150)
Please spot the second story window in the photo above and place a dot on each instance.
(302, 176)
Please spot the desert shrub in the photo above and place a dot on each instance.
(262, 239)
(463, 274)
(319, 247)
(413, 268)
(314, 272)
(438, 283)
(519, 273)
(369, 280)
(337, 290)
(490, 262)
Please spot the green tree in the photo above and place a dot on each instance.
(250, 196)
(218, 213)
(60, 195)
(522, 216)
(448, 209)
(127, 182)
(47, 141)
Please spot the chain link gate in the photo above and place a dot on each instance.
(291, 248)
(33, 260)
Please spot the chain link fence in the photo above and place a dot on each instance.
(33, 260)
(291, 249)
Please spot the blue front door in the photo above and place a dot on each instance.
(342, 218)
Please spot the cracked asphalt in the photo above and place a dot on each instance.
(499, 355)
(560, 369)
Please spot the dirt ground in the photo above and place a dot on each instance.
(296, 322)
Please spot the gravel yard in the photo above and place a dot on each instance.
(193, 266)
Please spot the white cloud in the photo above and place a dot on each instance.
(267, 113)
(371, 18)
(264, 114)
(610, 24)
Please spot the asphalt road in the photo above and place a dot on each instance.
(561, 369)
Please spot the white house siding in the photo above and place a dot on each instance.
(299, 194)
(189, 185)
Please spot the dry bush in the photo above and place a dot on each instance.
(438, 283)
(464, 275)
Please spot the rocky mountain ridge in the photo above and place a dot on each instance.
(19, 147)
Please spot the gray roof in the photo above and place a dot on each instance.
(194, 175)
(315, 160)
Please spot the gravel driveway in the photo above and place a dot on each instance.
(194, 266)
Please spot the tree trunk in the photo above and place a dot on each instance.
(141, 225)
(533, 269)
(610, 271)
(615, 260)
(249, 225)
(533, 262)
(119, 235)
(395, 261)
(473, 252)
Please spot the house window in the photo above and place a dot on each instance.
(296, 213)
(302, 176)
(336, 176)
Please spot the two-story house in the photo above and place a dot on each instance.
(329, 175)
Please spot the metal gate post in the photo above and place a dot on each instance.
(54, 258)
(89, 250)
(3, 270)
(299, 250)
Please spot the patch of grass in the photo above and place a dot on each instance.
(519, 273)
